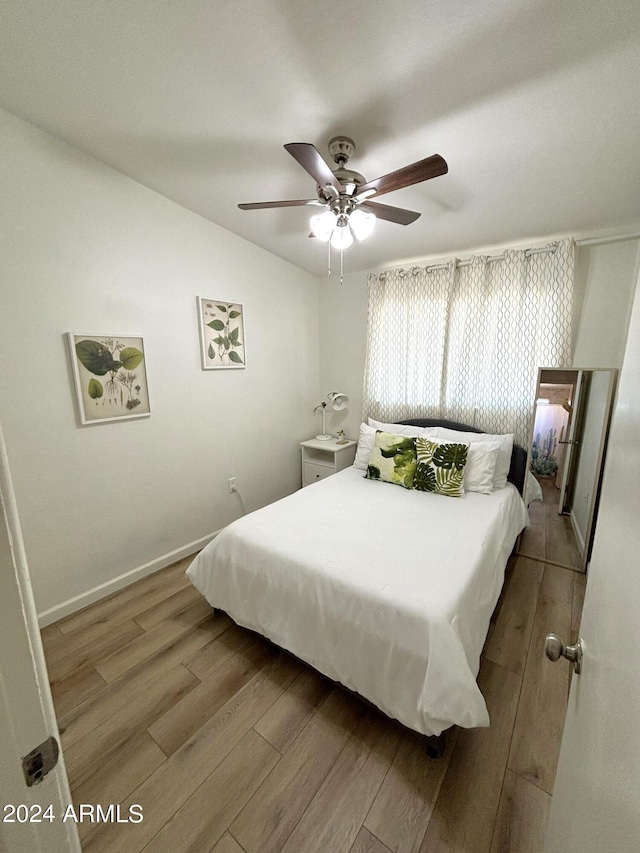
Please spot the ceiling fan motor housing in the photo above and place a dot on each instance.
(341, 148)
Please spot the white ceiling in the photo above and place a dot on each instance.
(533, 103)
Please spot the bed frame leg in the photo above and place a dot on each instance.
(436, 746)
(216, 611)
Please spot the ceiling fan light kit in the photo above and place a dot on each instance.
(340, 228)
(346, 195)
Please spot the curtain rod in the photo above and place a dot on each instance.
(587, 241)
(465, 263)
(601, 241)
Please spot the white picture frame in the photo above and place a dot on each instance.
(110, 377)
(222, 342)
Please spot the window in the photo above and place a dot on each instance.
(464, 340)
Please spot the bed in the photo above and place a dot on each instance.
(386, 590)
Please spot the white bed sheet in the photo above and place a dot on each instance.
(387, 590)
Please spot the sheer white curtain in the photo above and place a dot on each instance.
(464, 340)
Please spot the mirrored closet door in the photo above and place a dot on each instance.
(572, 411)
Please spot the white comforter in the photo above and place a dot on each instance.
(386, 590)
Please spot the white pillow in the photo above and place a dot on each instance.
(503, 462)
(402, 429)
(366, 441)
(481, 465)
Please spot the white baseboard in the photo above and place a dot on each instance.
(109, 587)
(578, 532)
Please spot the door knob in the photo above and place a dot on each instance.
(555, 649)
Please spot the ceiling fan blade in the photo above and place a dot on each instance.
(260, 205)
(423, 170)
(310, 159)
(399, 215)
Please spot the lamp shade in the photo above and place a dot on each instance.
(338, 401)
(341, 237)
(362, 223)
(322, 225)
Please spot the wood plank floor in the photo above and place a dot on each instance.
(551, 536)
(232, 746)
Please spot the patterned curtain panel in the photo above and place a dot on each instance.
(464, 340)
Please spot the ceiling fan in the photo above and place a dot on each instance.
(346, 195)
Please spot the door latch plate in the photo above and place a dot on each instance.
(40, 761)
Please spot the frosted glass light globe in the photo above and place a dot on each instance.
(362, 223)
(342, 237)
(322, 225)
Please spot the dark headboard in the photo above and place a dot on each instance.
(518, 469)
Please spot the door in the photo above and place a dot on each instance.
(596, 802)
(27, 718)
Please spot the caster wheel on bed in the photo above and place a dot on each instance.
(436, 746)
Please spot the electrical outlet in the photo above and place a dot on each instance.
(231, 482)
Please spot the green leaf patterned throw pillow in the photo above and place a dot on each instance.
(440, 467)
(393, 459)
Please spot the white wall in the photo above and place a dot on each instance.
(343, 330)
(605, 281)
(87, 250)
(607, 275)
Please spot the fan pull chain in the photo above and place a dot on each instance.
(341, 266)
(328, 260)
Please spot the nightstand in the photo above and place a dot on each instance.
(321, 459)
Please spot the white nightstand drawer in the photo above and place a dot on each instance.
(312, 472)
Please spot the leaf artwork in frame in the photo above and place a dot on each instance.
(110, 377)
(221, 334)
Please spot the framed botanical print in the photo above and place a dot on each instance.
(221, 334)
(110, 377)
